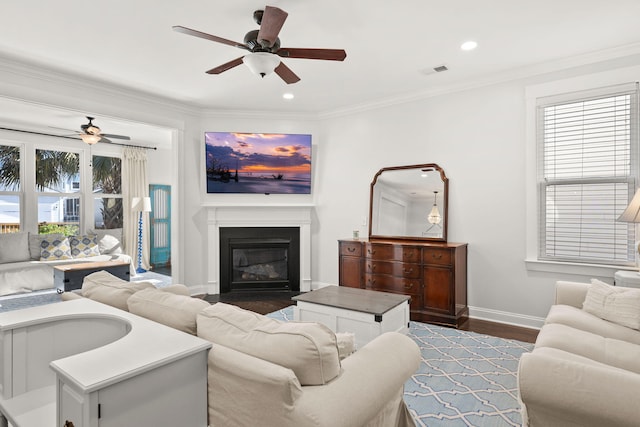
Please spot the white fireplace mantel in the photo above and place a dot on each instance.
(257, 216)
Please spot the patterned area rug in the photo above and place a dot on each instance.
(465, 378)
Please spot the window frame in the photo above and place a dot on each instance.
(554, 184)
(595, 82)
(21, 187)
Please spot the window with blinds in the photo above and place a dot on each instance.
(587, 169)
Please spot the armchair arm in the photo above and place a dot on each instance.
(561, 392)
(571, 293)
(244, 390)
(372, 377)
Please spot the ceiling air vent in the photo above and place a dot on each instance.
(433, 70)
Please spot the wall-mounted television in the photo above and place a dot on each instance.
(265, 163)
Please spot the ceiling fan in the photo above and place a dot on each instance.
(91, 133)
(264, 48)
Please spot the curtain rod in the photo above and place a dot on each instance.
(76, 139)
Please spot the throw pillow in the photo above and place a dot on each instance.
(55, 249)
(14, 247)
(106, 288)
(35, 243)
(109, 241)
(176, 311)
(615, 304)
(308, 349)
(84, 246)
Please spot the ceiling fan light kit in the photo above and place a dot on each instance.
(90, 138)
(261, 63)
(264, 48)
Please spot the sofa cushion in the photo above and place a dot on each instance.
(14, 247)
(177, 289)
(84, 246)
(54, 248)
(35, 243)
(177, 311)
(109, 240)
(612, 352)
(106, 288)
(580, 319)
(308, 349)
(616, 304)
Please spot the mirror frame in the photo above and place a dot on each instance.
(445, 204)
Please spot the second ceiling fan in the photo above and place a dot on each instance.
(264, 48)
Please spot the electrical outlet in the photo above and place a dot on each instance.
(364, 221)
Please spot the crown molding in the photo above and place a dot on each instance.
(520, 73)
(23, 68)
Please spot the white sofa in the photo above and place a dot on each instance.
(264, 372)
(23, 268)
(585, 367)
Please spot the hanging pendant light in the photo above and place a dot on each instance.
(434, 216)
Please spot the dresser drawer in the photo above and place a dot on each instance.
(438, 256)
(400, 253)
(351, 248)
(398, 269)
(400, 285)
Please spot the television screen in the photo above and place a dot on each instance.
(266, 163)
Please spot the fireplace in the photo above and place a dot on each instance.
(259, 259)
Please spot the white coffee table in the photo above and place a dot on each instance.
(365, 313)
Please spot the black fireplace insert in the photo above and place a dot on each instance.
(259, 258)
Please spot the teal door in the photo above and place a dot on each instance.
(160, 225)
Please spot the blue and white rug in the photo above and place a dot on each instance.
(465, 378)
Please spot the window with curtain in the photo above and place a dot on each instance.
(587, 174)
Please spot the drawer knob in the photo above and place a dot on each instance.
(405, 271)
(350, 249)
(437, 256)
(372, 282)
(372, 267)
(371, 252)
(408, 286)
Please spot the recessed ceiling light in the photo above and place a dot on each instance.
(469, 45)
(288, 96)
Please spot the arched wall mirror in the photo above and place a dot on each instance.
(409, 202)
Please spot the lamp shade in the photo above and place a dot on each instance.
(261, 63)
(141, 204)
(632, 212)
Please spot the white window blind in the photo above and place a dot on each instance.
(587, 169)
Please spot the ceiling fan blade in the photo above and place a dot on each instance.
(227, 66)
(103, 139)
(286, 74)
(108, 135)
(326, 54)
(195, 33)
(272, 22)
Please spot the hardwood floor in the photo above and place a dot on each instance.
(267, 302)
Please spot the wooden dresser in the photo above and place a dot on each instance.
(434, 274)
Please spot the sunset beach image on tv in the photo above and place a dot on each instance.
(266, 163)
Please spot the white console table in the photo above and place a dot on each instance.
(92, 364)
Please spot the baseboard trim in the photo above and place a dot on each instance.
(506, 317)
